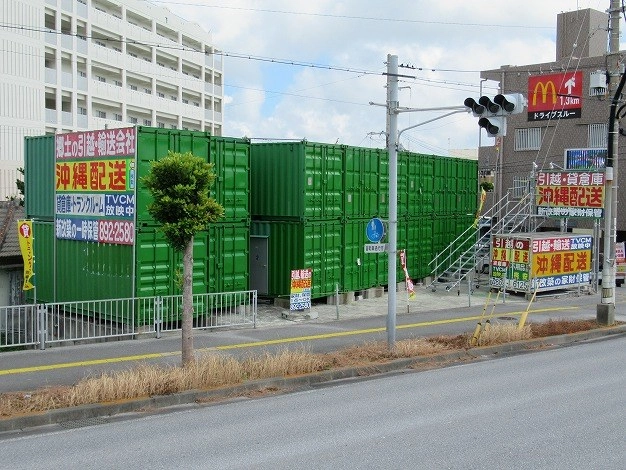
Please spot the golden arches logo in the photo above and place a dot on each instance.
(549, 85)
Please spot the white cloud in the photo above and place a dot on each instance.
(457, 38)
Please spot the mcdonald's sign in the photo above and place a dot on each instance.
(555, 96)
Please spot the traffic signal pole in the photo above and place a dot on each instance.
(392, 149)
(393, 136)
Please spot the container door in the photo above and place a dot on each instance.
(258, 264)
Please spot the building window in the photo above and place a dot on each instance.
(520, 186)
(147, 122)
(174, 97)
(133, 87)
(82, 110)
(101, 79)
(185, 101)
(118, 117)
(161, 125)
(160, 95)
(82, 74)
(528, 139)
(148, 90)
(101, 114)
(597, 135)
(118, 83)
(133, 120)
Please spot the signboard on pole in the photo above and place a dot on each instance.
(572, 193)
(300, 292)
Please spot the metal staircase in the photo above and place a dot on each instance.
(467, 256)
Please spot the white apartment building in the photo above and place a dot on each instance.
(69, 65)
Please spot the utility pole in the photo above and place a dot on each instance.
(392, 149)
(605, 312)
(392, 107)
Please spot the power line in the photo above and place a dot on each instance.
(353, 17)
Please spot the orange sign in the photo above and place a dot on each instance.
(555, 96)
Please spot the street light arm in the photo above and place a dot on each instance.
(443, 108)
(463, 110)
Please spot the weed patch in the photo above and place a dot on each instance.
(211, 371)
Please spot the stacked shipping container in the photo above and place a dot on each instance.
(299, 222)
(73, 269)
(310, 204)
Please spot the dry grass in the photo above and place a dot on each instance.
(213, 371)
(504, 333)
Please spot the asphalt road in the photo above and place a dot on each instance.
(556, 409)
(434, 313)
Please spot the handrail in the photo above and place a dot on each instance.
(454, 259)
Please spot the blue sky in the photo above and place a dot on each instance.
(450, 41)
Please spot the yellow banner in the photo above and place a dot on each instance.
(25, 234)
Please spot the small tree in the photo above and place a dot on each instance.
(179, 184)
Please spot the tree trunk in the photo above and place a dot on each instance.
(187, 326)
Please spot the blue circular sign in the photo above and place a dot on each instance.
(375, 230)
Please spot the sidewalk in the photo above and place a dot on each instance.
(425, 301)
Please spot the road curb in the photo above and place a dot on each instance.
(81, 415)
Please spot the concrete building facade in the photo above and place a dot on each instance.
(71, 65)
(558, 117)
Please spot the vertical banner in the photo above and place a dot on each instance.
(25, 234)
(410, 289)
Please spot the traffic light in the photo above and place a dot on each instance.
(494, 125)
(492, 113)
(512, 103)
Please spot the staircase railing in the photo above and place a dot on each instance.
(468, 251)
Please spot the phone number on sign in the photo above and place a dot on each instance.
(116, 231)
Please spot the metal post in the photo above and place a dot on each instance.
(392, 136)
(605, 312)
(43, 327)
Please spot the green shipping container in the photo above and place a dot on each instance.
(278, 247)
(418, 184)
(366, 176)
(360, 269)
(297, 180)
(456, 186)
(69, 270)
(39, 177)
(383, 259)
(231, 158)
(419, 246)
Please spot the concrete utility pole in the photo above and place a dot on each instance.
(392, 133)
(605, 312)
(393, 138)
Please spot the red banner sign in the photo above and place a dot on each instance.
(555, 96)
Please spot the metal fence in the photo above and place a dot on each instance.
(66, 323)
